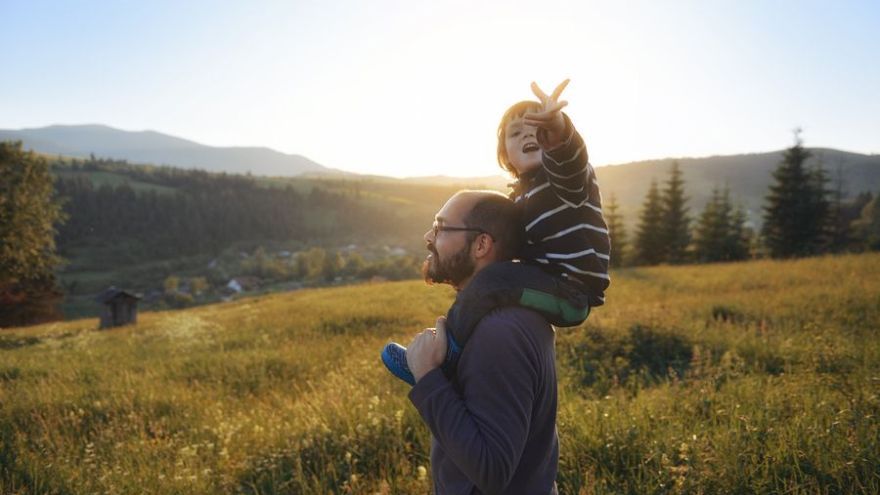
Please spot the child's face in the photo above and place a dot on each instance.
(521, 143)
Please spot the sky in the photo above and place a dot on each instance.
(416, 87)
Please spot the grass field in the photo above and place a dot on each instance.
(760, 377)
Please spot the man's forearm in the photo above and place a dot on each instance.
(486, 449)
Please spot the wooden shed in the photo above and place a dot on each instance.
(120, 307)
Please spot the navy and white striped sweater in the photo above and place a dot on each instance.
(562, 212)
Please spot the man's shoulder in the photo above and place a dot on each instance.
(511, 321)
(514, 315)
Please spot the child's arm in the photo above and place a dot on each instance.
(565, 154)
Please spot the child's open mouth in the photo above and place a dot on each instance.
(530, 147)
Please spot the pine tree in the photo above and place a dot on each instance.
(739, 238)
(676, 224)
(868, 224)
(711, 230)
(617, 233)
(29, 213)
(649, 247)
(720, 233)
(840, 232)
(796, 209)
(820, 208)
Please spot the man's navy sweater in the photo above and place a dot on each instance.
(494, 424)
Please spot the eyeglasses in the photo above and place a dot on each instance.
(437, 228)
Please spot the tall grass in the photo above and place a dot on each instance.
(759, 377)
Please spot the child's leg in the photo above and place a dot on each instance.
(515, 284)
(498, 285)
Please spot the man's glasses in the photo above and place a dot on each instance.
(437, 228)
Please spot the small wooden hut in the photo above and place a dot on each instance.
(120, 307)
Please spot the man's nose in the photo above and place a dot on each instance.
(428, 235)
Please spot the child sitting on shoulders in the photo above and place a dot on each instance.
(562, 270)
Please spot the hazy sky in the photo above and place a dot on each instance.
(415, 87)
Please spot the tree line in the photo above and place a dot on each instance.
(802, 216)
(205, 212)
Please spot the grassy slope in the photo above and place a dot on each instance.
(285, 393)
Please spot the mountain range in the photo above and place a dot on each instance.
(746, 175)
(160, 149)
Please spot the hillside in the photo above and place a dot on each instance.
(754, 377)
(134, 226)
(152, 147)
(747, 175)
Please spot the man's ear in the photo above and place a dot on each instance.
(483, 246)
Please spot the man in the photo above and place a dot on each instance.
(493, 423)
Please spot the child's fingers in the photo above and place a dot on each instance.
(537, 91)
(546, 116)
(559, 89)
(549, 111)
(558, 106)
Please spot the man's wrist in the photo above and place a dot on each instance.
(429, 381)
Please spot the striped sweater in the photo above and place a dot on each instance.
(562, 211)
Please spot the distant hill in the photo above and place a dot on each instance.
(747, 175)
(160, 149)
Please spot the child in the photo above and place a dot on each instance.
(563, 267)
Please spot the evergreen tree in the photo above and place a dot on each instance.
(839, 231)
(29, 213)
(617, 232)
(711, 230)
(720, 233)
(739, 238)
(868, 225)
(675, 224)
(796, 209)
(820, 208)
(649, 246)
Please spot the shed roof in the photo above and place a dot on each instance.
(112, 293)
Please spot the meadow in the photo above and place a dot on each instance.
(758, 377)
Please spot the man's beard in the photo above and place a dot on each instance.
(451, 271)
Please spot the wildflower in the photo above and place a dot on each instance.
(422, 473)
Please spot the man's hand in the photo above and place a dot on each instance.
(428, 350)
(550, 117)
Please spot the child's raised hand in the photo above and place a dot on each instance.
(550, 117)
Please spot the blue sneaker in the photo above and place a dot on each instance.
(394, 357)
